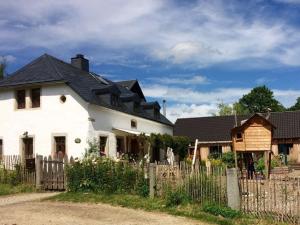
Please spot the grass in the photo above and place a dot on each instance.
(6, 189)
(193, 211)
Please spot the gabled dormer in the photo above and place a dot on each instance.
(132, 102)
(152, 109)
(108, 94)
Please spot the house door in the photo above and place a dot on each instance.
(284, 151)
(60, 146)
(28, 148)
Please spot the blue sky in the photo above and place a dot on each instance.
(194, 54)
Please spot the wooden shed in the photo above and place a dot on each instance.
(254, 134)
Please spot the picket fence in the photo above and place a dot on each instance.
(277, 198)
(13, 164)
(201, 184)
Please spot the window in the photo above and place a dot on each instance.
(239, 136)
(102, 145)
(215, 151)
(133, 124)
(35, 97)
(136, 107)
(21, 99)
(1, 148)
(60, 145)
(114, 100)
(156, 114)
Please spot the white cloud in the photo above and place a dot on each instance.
(286, 97)
(8, 58)
(192, 96)
(181, 80)
(202, 33)
(193, 110)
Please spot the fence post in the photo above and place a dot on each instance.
(152, 173)
(233, 192)
(38, 171)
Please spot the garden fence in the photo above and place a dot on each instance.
(277, 198)
(201, 184)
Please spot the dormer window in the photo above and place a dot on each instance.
(114, 100)
(156, 114)
(35, 97)
(136, 107)
(133, 124)
(21, 99)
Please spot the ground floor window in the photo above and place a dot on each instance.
(60, 145)
(102, 144)
(215, 151)
(28, 147)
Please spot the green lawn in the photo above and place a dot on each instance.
(6, 189)
(132, 201)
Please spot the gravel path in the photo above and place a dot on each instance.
(20, 198)
(35, 212)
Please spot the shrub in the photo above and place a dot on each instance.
(221, 211)
(106, 175)
(228, 159)
(176, 197)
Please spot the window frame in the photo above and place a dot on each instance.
(1, 148)
(33, 104)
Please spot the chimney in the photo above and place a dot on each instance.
(164, 108)
(80, 62)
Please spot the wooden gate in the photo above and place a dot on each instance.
(53, 173)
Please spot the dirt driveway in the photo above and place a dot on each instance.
(50, 213)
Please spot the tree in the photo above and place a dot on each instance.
(296, 106)
(228, 109)
(260, 99)
(2, 67)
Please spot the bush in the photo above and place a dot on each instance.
(11, 177)
(228, 159)
(221, 211)
(176, 198)
(106, 175)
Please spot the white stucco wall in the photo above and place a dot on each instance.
(71, 119)
(68, 119)
(106, 119)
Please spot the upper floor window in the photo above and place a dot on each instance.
(21, 99)
(156, 114)
(136, 107)
(35, 97)
(114, 100)
(133, 124)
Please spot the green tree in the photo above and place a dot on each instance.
(296, 106)
(227, 109)
(260, 99)
(2, 67)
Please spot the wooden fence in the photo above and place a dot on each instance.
(200, 183)
(52, 172)
(13, 170)
(277, 198)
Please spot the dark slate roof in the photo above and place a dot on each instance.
(127, 83)
(218, 128)
(47, 68)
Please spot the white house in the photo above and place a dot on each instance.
(51, 106)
